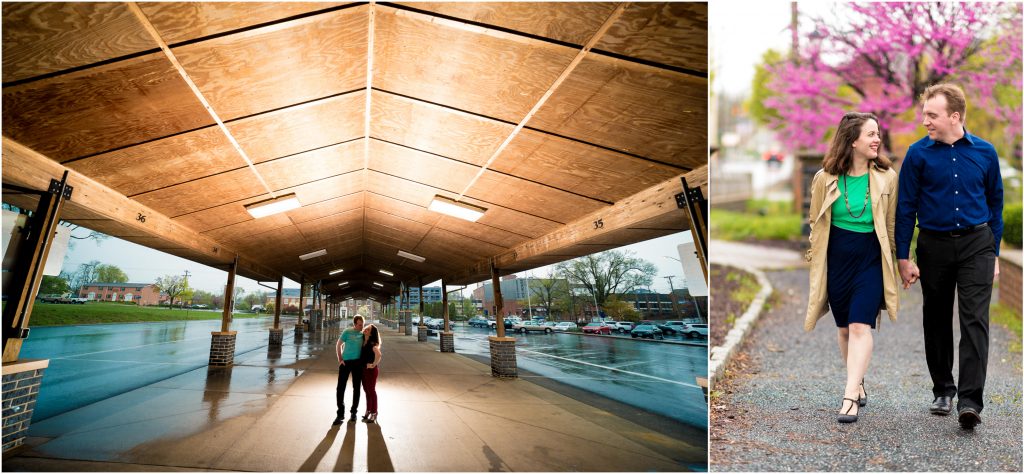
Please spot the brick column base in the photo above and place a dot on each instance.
(222, 349)
(299, 329)
(447, 342)
(276, 336)
(421, 333)
(408, 329)
(503, 357)
(21, 381)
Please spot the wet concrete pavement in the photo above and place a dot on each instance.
(98, 361)
(776, 410)
(272, 412)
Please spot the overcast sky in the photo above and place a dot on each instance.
(144, 265)
(740, 33)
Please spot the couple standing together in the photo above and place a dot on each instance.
(862, 220)
(358, 351)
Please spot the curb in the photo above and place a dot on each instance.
(720, 355)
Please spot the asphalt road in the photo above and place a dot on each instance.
(776, 410)
(655, 376)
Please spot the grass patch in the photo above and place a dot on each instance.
(1010, 319)
(44, 314)
(746, 289)
(763, 220)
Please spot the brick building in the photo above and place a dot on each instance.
(143, 294)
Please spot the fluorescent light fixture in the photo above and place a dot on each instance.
(273, 206)
(404, 254)
(343, 283)
(318, 253)
(455, 208)
(387, 272)
(335, 272)
(378, 284)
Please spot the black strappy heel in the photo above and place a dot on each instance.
(846, 417)
(863, 401)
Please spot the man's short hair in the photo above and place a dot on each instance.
(357, 319)
(955, 99)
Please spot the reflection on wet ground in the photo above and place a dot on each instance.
(654, 376)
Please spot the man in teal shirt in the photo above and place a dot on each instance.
(348, 349)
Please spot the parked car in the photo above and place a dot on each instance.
(511, 321)
(533, 326)
(478, 322)
(597, 328)
(623, 326)
(258, 308)
(437, 323)
(200, 306)
(696, 330)
(649, 331)
(665, 328)
(677, 326)
(564, 326)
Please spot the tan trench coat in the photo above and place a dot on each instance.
(824, 192)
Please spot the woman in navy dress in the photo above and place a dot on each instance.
(853, 272)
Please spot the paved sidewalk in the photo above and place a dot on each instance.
(272, 412)
(740, 254)
(776, 409)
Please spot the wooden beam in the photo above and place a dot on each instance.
(24, 166)
(651, 203)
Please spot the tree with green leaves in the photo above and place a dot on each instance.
(620, 310)
(110, 274)
(547, 291)
(173, 285)
(606, 273)
(53, 285)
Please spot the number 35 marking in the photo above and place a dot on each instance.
(599, 223)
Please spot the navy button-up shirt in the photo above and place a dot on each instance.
(949, 187)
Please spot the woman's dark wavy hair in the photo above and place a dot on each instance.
(840, 152)
(374, 338)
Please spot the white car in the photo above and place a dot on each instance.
(622, 326)
(695, 330)
(565, 326)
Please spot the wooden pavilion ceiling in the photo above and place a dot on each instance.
(365, 112)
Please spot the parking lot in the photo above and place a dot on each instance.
(654, 376)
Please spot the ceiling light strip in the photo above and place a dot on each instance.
(551, 90)
(195, 90)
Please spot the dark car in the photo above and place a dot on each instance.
(478, 322)
(667, 330)
(648, 331)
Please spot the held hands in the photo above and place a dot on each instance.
(909, 272)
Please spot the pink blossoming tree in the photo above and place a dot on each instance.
(881, 56)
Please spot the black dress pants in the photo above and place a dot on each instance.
(353, 368)
(962, 267)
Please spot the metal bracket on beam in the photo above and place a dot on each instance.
(57, 186)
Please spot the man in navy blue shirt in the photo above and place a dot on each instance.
(950, 185)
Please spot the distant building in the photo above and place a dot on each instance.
(514, 296)
(289, 297)
(142, 294)
(431, 294)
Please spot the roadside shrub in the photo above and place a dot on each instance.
(1012, 224)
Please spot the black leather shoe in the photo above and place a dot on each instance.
(942, 406)
(969, 418)
(845, 416)
(337, 420)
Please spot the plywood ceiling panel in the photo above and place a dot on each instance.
(497, 75)
(325, 228)
(513, 221)
(306, 127)
(383, 222)
(436, 129)
(634, 108)
(531, 198)
(400, 189)
(183, 21)
(571, 22)
(237, 233)
(102, 108)
(144, 167)
(312, 165)
(46, 37)
(329, 188)
(443, 242)
(401, 208)
(420, 167)
(386, 236)
(240, 74)
(671, 33)
(203, 193)
(310, 211)
(481, 232)
(580, 168)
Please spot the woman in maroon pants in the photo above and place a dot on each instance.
(371, 357)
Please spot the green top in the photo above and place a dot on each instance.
(841, 216)
(353, 341)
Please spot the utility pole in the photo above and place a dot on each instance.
(671, 293)
(189, 306)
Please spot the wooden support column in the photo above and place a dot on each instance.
(408, 312)
(503, 349)
(447, 336)
(222, 344)
(421, 334)
(27, 272)
(276, 332)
